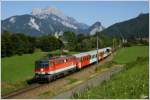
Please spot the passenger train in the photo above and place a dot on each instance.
(56, 67)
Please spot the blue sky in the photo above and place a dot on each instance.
(88, 12)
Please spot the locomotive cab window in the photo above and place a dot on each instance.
(42, 64)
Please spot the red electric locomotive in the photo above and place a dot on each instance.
(50, 69)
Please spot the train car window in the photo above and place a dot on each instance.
(89, 57)
(50, 64)
(68, 59)
(65, 60)
(60, 61)
(83, 59)
(79, 59)
(107, 50)
(56, 62)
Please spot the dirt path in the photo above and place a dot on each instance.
(64, 84)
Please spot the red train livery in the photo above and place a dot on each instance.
(50, 69)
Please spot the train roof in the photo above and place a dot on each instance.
(92, 52)
(55, 58)
(80, 54)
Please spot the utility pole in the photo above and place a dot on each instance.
(97, 46)
(113, 44)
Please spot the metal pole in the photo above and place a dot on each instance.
(97, 47)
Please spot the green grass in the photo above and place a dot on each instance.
(17, 69)
(130, 54)
(132, 82)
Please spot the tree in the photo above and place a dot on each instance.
(20, 43)
(49, 43)
(7, 48)
(70, 40)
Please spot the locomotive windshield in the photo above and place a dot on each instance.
(41, 64)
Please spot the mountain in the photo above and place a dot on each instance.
(96, 27)
(41, 21)
(134, 28)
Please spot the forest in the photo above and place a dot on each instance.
(18, 43)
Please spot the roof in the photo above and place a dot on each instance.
(55, 58)
(80, 54)
(92, 52)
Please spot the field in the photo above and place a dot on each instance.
(132, 82)
(17, 69)
(130, 54)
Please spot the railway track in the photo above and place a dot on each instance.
(28, 88)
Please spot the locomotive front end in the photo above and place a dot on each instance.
(42, 70)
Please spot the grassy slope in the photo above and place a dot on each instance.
(130, 54)
(17, 69)
(130, 83)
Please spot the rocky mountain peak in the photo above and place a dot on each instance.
(47, 11)
(96, 27)
(97, 24)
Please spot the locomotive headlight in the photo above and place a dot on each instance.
(42, 69)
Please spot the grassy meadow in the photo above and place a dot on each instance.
(17, 69)
(129, 54)
(132, 82)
